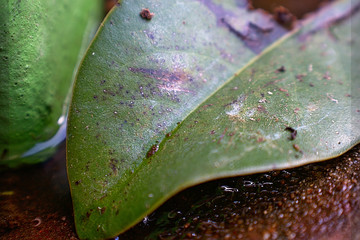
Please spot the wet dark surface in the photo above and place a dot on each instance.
(316, 201)
(35, 202)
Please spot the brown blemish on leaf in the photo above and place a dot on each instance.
(297, 148)
(109, 92)
(77, 182)
(154, 148)
(113, 162)
(169, 81)
(292, 131)
(102, 210)
(261, 109)
(272, 82)
(300, 77)
(281, 69)
(146, 14)
(283, 16)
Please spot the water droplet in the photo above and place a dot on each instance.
(249, 184)
(61, 120)
(229, 189)
(146, 220)
(150, 195)
(93, 53)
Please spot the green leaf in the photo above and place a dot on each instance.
(191, 95)
(40, 43)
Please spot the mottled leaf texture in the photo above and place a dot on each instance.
(204, 90)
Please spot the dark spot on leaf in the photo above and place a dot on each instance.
(272, 82)
(154, 148)
(146, 14)
(281, 69)
(300, 77)
(77, 182)
(150, 35)
(296, 147)
(166, 80)
(311, 85)
(108, 92)
(283, 16)
(113, 162)
(292, 131)
(102, 210)
(261, 109)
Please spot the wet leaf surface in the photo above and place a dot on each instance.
(158, 107)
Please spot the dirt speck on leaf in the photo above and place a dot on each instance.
(281, 69)
(146, 14)
(283, 16)
(296, 147)
(292, 131)
(154, 148)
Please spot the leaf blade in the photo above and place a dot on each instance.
(153, 180)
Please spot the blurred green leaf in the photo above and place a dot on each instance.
(40, 43)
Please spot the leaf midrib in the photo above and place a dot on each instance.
(251, 62)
